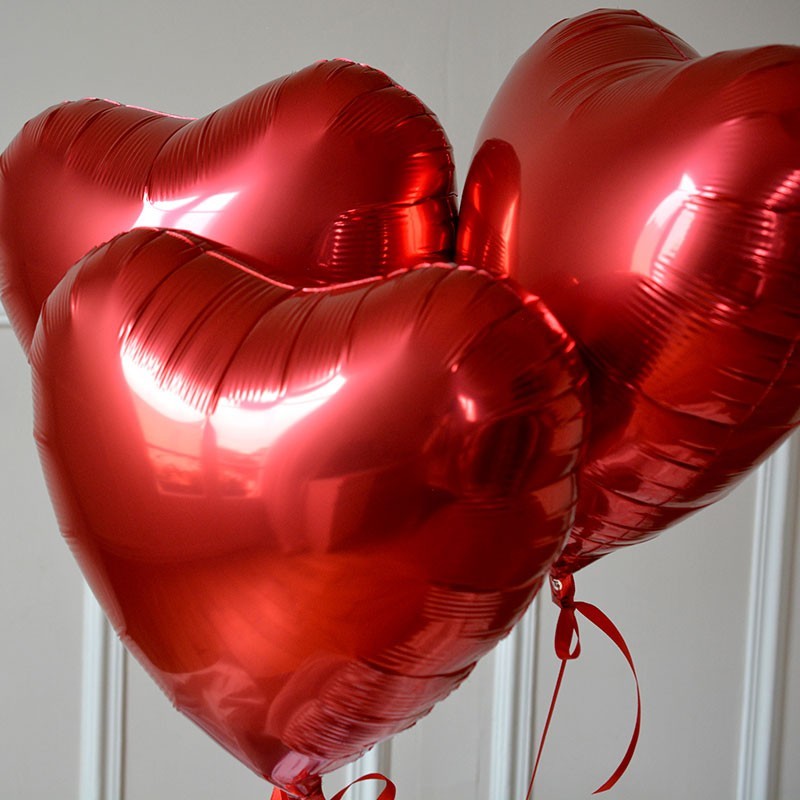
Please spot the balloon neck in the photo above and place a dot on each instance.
(562, 589)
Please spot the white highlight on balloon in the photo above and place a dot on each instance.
(198, 212)
(249, 427)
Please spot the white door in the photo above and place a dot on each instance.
(710, 610)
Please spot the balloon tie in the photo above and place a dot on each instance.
(389, 791)
(567, 632)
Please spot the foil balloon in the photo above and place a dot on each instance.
(652, 199)
(331, 174)
(306, 511)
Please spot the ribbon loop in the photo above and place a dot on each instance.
(389, 790)
(601, 621)
(563, 590)
(567, 626)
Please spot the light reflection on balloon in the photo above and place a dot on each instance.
(247, 427)
(662, 232)
(655, 207)
(197, 212)
(308, 512)
(469, 408)
(162, 399)
(331, 174)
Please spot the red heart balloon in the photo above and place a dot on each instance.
(331, 174)
(307, 511)
(652, 199)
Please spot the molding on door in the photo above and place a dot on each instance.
(513, 709)
(775, 524)
(102, 707)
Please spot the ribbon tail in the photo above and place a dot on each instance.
(601, 621)
(566, 633)
(546, 727)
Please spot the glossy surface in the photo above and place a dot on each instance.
(652, 199)
(330, 174)
(308, 512)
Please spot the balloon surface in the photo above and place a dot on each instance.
(306, 511)
(652, 199)
(333, 173)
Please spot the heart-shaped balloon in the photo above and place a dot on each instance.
(307, 511)
(334, 173)
(652, 199)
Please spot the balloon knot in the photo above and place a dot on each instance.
(563, 591)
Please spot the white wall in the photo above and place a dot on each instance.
(40, 598)
(683, 601)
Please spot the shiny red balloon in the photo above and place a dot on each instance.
(331, 174)
(306, 511)
(652, 199)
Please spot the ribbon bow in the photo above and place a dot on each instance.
(567, 647)
(567, 632)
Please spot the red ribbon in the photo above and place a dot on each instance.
(566, 632)
(389, 792)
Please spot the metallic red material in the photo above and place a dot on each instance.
(306, 511)
(334, 173)
(389, 791)
(652, 199)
